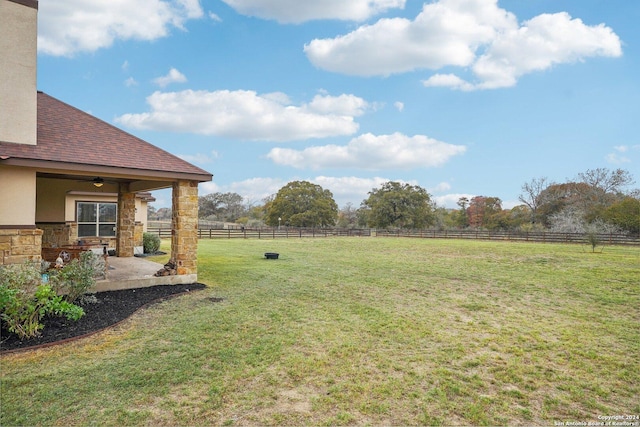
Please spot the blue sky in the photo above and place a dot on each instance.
(460, 97)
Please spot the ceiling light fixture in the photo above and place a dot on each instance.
(98, 182)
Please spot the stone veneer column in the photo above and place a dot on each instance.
(126, 222)
(184, 233)
(19, 245)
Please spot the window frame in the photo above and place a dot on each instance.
(97, 223)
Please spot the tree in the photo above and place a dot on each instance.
(163, 214)
(607, 181)
(302, 204)
(520, 219)
(399, 205)
(486, 212)
(348, 217)
(558, 197)
(531, 195)
(624, 214)
(221, 206)
(444, 218)
(462, 219)
(152, 213)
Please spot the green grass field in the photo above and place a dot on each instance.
(348, 331)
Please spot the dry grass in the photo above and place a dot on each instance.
(358, 331)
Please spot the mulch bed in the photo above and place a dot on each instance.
(110, 308)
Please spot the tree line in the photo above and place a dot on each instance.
(596, 200)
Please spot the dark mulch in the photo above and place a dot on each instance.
(111, 307)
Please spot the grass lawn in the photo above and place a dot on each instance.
(344, 331)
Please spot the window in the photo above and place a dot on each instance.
(96, 219)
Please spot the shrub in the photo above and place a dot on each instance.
(151, 243)
(77, 277)
(24, 301)
(26, 277)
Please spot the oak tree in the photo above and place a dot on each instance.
(399, 205)
(302, 204)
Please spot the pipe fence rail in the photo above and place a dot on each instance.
(291, 232)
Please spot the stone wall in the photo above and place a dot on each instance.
(184, 238)
(58, 234)
(20, 245)
(138, 235)
(126, 222)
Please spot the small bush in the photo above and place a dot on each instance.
(26, 277)
(151, 243)
(25, 301)
(77, 277)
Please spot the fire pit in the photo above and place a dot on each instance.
(271, 255)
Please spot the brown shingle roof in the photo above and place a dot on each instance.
(69, 135)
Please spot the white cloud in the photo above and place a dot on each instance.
(214, 17)
(450, 201)
(539, 44)
(344, 105)
(297, 11)
(130, 82)
(443, 186)
(174, 76)
(510, 204)
(622, 154)
(448, 80)
(252, 189)
(67, 27)
(125, 66)
(349, 189)
(444, 33)
(371, 152)
(246, 115)
(399, 105)
(200, 158)
(472, 34)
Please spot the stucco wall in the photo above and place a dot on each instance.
(17, 196)
(18, 91)
(57, 201)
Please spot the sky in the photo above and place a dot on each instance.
(460, 97)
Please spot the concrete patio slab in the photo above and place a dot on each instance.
(136, 272)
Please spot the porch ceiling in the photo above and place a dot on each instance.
(85, 178)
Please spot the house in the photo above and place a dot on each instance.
(66, 176)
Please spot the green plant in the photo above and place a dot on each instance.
(26, 276)
(151, 243)
(24, 301)
(77, 277)
(593, 239)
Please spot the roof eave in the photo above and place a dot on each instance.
(49, 166)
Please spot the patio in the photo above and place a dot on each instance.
(136, 272)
